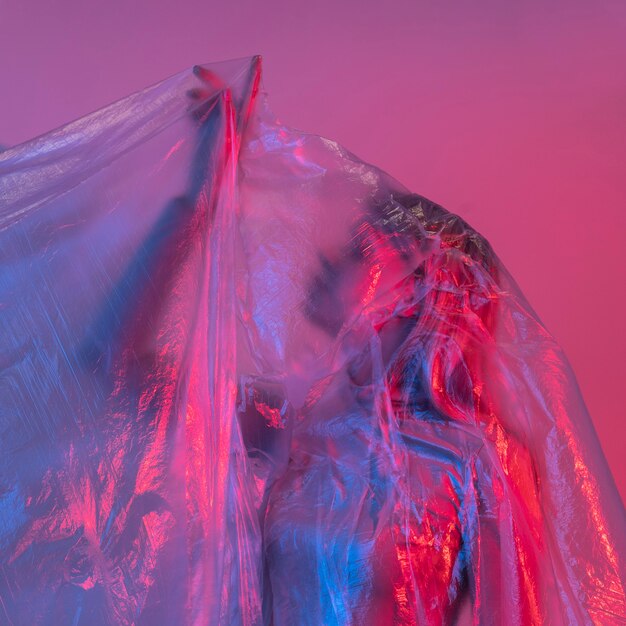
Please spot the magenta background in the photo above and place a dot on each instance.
(512, 115)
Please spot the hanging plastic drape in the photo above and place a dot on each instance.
(247, 378)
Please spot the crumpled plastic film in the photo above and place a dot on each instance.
(247, 378)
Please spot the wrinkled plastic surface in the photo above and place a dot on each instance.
(247, 378)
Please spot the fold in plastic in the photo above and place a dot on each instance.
(247, 378)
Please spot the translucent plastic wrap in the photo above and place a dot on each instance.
(247, 378)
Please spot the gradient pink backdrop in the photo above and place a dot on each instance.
(511, 114)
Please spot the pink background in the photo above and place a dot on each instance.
(512, 115)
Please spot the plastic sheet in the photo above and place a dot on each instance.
(247, 378)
